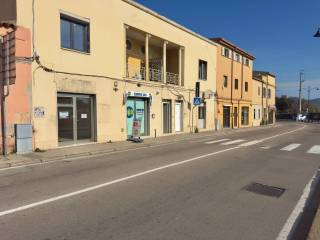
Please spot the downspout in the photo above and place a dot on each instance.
(232, 110)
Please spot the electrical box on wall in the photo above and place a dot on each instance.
(23, 134)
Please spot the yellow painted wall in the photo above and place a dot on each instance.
(107, 58)
(227, 67)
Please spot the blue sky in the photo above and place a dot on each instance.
(278, 32)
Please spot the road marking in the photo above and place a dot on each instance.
(298, 210)
(127, 150)
(233, 142)
(266, 147)
(250, 143)
(315, 149)
(103, 185)
(291, 147)
(217, 141)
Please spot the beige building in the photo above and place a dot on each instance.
(234, 85)
(263, 98)
(98, 67)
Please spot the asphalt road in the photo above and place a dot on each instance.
(192, 189)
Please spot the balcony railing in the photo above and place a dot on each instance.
(155, 75)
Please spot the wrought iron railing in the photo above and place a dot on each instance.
(155, 75)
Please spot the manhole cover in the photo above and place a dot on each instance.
(266, 190)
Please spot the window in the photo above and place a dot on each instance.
(264, 92)
(225, 81)
(226, 52)
(236, 84)
(246, 86)
(246, 62)
(74, 34)
(254, 114)
(259, 91)
(203, 65)
(201, 112)
(269, 93)
(259, 113)
(245, 115)
(237, 57)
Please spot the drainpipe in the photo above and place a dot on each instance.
(232, 111)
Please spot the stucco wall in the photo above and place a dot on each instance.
(18, 103)
(107, 57)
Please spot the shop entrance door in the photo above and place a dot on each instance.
(226, 117)
(138, 109)
(75, 119)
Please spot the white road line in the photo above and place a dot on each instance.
(291, 147)
(233, 142)
(121, 151)
(217, 141)
(103, 185)
(290, 223)
(250, 143)
(315, 149)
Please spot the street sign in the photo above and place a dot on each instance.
(197, 101)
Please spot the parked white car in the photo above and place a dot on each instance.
(301, 117)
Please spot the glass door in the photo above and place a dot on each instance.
(65, 119)
(75, 118)
(138, 109)
(84, 118)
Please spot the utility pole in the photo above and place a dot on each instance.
(300, 90)
(309, 92)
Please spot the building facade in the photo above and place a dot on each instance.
(15, 70)
(234, 85)
(98, 68)
(264, 98)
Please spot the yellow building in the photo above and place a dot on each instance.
(98, 67)
(234, 85)
(264, 98)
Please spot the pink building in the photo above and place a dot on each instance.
(18, 103)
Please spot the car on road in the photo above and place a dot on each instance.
(301, 118)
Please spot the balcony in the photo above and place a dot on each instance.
(155, 75)
(164, 60)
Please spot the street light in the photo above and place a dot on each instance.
(317, 35)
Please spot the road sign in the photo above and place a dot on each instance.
(197, 101)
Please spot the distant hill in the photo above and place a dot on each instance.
(316, 102)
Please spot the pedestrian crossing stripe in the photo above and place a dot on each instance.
(291, 147)
(315, 149)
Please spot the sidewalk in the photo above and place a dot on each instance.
(14, 160)
(315, 229)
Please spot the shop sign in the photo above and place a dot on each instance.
(139, 94)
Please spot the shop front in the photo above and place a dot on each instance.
(76, 118)
(138, 108)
